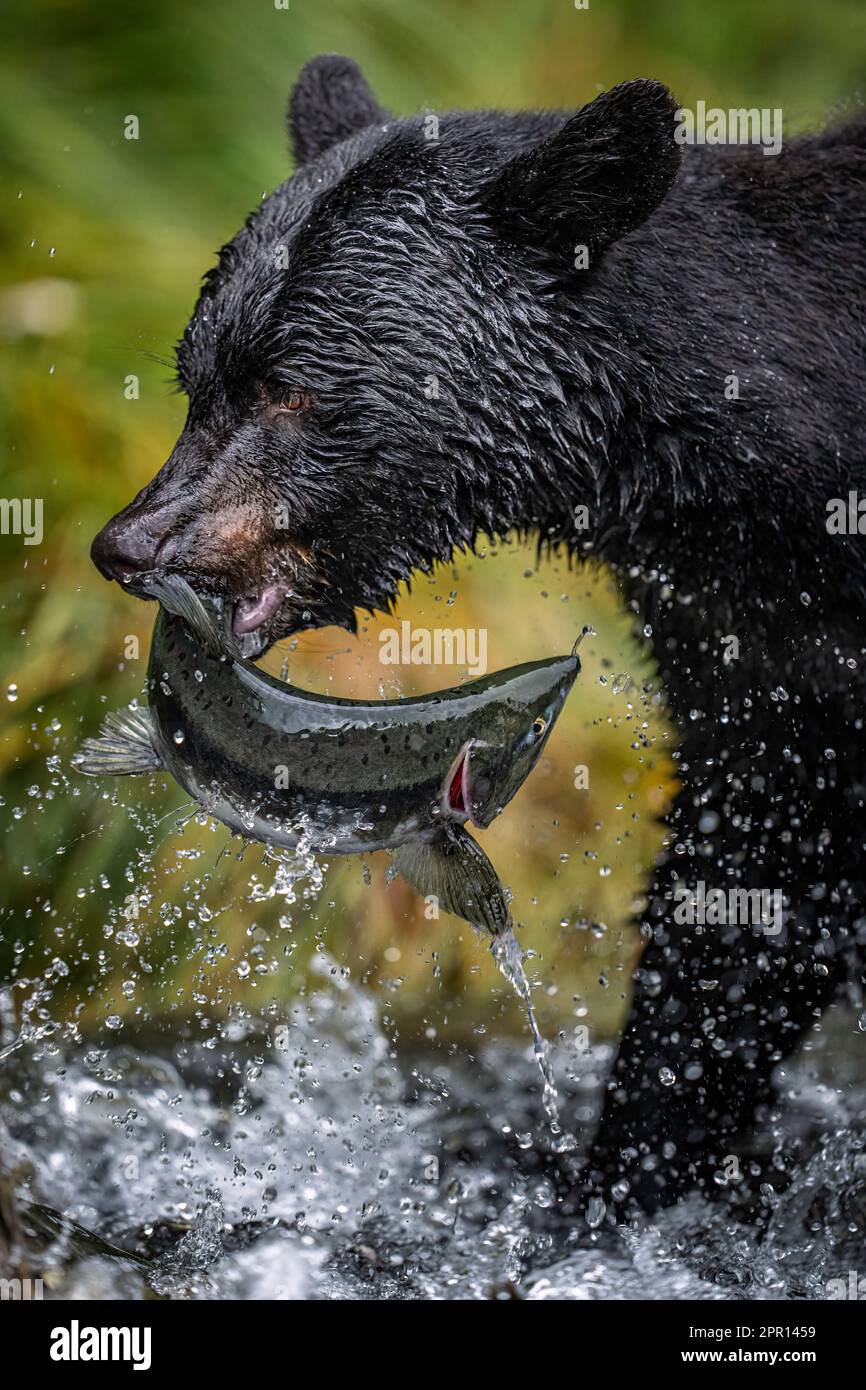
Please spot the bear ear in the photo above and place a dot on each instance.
(329, 102)
(597, 178)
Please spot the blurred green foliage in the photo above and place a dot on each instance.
(104, 240)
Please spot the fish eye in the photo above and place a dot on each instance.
(539, 726)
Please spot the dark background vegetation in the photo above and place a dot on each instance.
(119, 915)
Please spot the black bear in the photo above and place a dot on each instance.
(669, 343)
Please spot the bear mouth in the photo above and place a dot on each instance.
(254, 610)
(252, 618)
(257, 618)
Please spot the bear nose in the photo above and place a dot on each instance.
(125, 547)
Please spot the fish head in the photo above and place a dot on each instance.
(512, 732)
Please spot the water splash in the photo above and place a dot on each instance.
(301, 1155)
(506, 951)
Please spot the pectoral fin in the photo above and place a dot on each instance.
(126, 746)
(453, 868)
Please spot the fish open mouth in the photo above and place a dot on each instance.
(456, 794)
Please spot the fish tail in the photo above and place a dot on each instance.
(453, 868)
(126, 746)
(177, 596)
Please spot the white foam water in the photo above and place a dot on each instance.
(302, 1155)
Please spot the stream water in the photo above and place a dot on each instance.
(305, 1156)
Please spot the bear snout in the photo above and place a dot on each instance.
(133, 542)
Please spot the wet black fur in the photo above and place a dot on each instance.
(413, 262)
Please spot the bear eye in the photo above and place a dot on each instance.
(539, 725)
(293, 400)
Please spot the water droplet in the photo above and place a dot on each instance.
(596, 1210)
